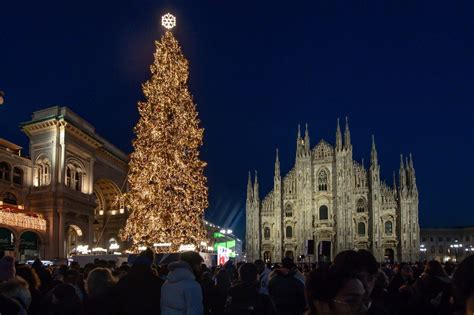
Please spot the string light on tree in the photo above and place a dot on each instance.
(168, 190)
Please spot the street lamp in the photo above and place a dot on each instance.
(2, 95)
(456, 246)
(423, 250)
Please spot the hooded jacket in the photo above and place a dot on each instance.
(181, 294)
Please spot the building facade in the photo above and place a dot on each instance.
(447, 244)
(332, 203)
(66, 194)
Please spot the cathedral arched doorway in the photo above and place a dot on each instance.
(7, 241)
(389, 255)
(73, 238)
(324, 251)
(267, 257)
(30, 244)
(289, 254)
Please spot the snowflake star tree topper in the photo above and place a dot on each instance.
(168, 21)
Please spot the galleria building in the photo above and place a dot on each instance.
(328, 203)
(66, 194)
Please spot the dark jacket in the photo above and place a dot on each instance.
(139, 292)
(244, 299)
(432, 294)
(287, 292)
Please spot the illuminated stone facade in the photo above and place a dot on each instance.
(72, 179)
(338, 203)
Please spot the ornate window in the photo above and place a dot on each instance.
(42, 171)
(10, 198)
(323, 180)
(266, 233)
(360, 206)
(288, 211)
(361, 229)
(17, 176)
(323, 213)
(74, 176)
(4, 171)
(388, 227)
(289, 232)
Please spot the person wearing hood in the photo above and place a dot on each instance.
(286, 288)
(181, 293)
(139, 291)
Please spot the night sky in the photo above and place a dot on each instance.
(402, 70)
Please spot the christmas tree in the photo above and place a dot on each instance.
(167, 188)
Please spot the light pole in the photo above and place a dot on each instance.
(423, 251)
(456, 246)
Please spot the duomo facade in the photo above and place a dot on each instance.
(66, 193)
(329, 201)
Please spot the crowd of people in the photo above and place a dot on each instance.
(354, 283)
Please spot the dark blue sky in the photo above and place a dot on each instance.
(401, 70)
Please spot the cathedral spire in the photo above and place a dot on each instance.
(347, 136)
(249, 188)
(299, 143)
(299, 131)
(277, 165)
(373, 153)
(363, 163)
(255, 188)
(413, 177)
(394, 182)
(338, 137)
(402, 175)
(306, 140)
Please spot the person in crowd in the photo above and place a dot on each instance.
(181, 293)
(379, 296)
(140, 286)
(65, 301)
(27, 273)
(286, 289)
(463, 287)
(206, 287)
(43, 274)
(219, 292)
(7, 268)
(17, 289)
(73, 277)
(10, 307)
(343, 287)
(100, 288)
(244, 297)
(432, 291)
(263, 273)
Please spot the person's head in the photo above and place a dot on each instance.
(193, 259)
(248, 273)
(7, 268)
(260, 265)
(288, 263)
(65, 300)
(99, 281)
(75, 265)
(17, 289)
(381, 280)
(463, 285)
(434, 268)
(360, 262)
(72, 276)
(406, 271)
(332, 290)
(223, 279)
(29, 275)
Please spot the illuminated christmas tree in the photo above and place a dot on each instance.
(167, 188)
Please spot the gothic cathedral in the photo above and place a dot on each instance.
(331, 203)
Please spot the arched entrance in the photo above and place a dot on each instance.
(30, 244)
(289, 254)
(389, 256)
(7, 241)
(73, 238)
(324, 251)
(267, 257)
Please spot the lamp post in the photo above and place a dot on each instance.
(456, 247)
(423, 251)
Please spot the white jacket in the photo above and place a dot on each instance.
(181, 294)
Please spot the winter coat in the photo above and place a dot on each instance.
(244, 299)
(137, 289)
(264, 281)
(181, 294)
(287, 292)
(432, 294)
